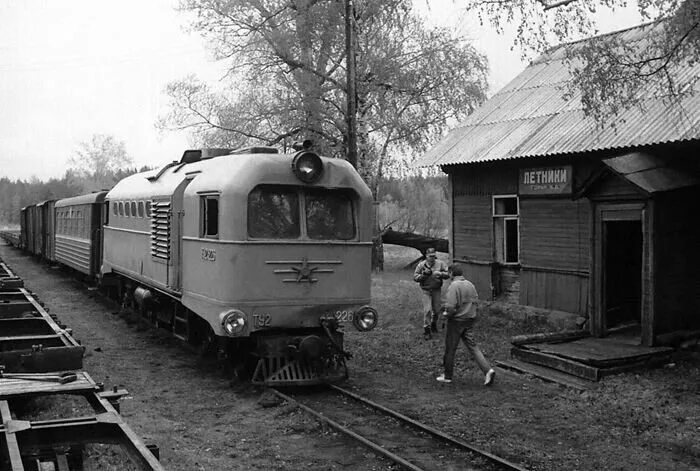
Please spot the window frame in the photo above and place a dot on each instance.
(501, 241)
(204, 215)
(302, 192)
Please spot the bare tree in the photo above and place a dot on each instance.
(287, 78)
(610, 72)
(99, 160)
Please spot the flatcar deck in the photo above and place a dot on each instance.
(40, 358)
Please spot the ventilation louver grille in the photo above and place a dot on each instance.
(160, 229)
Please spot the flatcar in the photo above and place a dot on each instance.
(259, 256)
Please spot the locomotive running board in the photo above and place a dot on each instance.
(280, 371)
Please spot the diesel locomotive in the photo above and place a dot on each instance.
(256, 255)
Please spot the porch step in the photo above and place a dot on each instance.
(591, 370)
(546, 374)
(571, 367)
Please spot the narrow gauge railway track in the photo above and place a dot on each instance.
(404, 441)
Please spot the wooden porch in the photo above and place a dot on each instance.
(570, 360)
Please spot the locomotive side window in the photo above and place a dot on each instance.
(121, 208)
(115, 209)
(127, 209)
(329, 215)
(273, 213)
(209, 210)
(140, 209)
(133, 209)
(148, 209)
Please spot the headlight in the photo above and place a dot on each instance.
(365, 319)
(233, 321)
(307, 166)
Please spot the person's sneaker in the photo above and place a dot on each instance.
(488, 379)
(442, 379)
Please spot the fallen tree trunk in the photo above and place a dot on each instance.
(417, 241)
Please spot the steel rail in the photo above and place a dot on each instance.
(430, 430)
(377, 448)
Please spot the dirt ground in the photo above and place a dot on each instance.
(201, 420)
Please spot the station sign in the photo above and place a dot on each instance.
(546, 181)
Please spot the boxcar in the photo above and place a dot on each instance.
(78, 232)
(46, 232)
(29, 222)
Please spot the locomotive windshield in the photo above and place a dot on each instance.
(274, 213)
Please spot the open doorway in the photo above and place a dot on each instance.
(622, 272)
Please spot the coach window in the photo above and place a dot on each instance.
(140, 209)
(329, 215)
(273, 213)
(505, 229)
(209, 211)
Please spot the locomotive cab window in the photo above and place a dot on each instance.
(273, 213)
(209, 210)
(329, 215)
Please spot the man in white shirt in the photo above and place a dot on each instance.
(460, 311)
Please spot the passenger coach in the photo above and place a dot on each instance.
(78, 232)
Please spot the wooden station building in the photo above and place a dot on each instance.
(552, 211)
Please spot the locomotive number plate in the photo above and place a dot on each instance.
(261, 320)
(340, 316)
(208, 254)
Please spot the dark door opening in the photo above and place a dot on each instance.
(622, 272)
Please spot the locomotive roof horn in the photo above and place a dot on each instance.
(306, 144)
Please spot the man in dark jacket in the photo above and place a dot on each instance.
(430, 273)
(460, 311)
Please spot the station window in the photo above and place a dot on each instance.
(506, 232)
(210, 216)
(140, 209)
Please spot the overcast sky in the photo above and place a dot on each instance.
(71, 69)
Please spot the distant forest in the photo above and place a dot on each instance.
(16, 194)
(410, 204)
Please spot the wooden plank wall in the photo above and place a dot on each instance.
(472, 220)
(554, 253)
(677, 261)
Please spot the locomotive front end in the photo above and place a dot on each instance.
(289, 260)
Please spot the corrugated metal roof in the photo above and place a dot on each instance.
(529, 117)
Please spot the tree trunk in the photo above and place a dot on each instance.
(377, 244)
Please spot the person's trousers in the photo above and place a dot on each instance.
(456, 330)
(431, 306)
